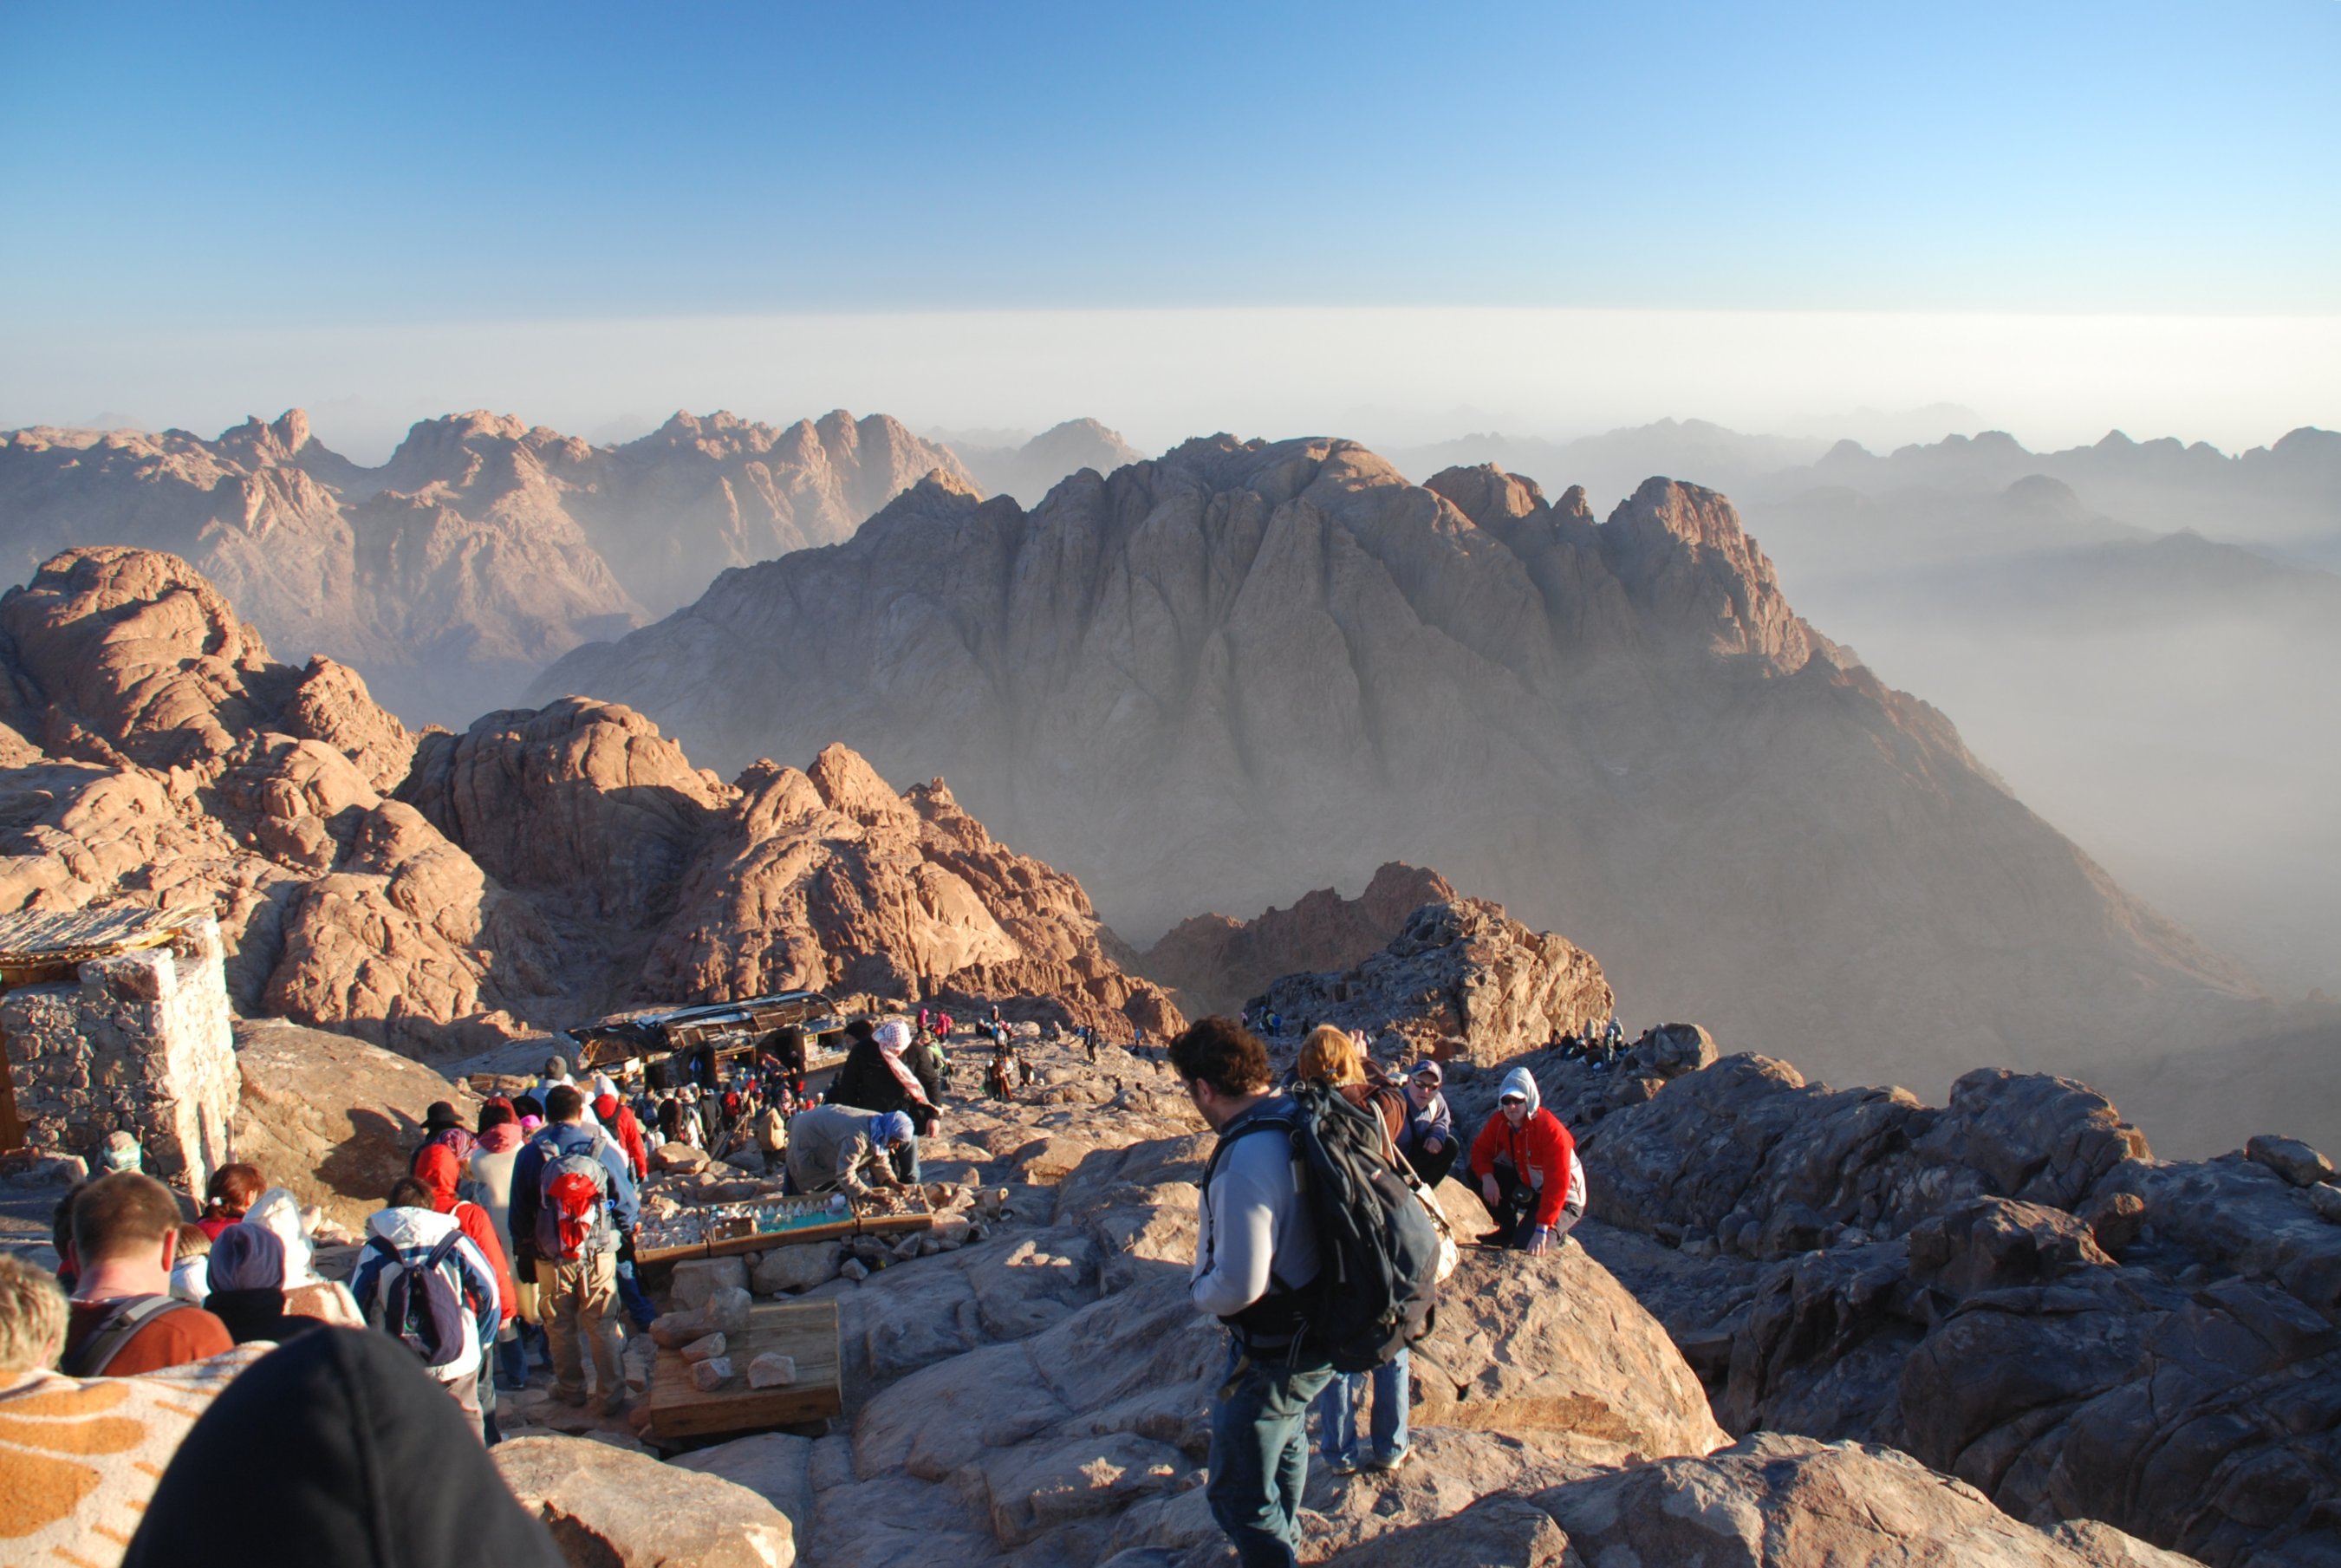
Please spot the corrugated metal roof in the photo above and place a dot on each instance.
(71, 936)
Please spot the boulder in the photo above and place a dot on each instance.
(1461, 978)
(1777, 1499)
(678, 1157)
(696, 1279)
(2290, 1158)
(1500, 1531)
(611, 1508)
(1048, 1161)
(771, 1370)
(796, 1269)
(705, 1348)
(772, 1464)
(330, 1117)
(711, 1374)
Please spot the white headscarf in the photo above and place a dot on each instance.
(893, 1038)
(279, 1211)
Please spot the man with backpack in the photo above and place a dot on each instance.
(423, 1281)
(1255, 1255)
(571, 1195)
(124, 1319)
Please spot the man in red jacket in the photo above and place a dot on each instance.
(1528, 1169)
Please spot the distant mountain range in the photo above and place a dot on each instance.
(483, 549)
(1243, 669)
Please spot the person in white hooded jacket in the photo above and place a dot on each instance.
(1526, 1167)
(307, 1293)
(408, 1233)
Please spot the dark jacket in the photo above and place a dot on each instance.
(258, 1314)
(528, 1178)
(367, 1463)
(867, 1082)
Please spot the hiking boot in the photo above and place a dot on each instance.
(611, 1404)
(1388, 1461)
(574, 1398)
(1342, 1464)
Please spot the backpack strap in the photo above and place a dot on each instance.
(117, 1328)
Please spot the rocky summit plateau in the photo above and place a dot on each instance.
(1242, 669)
(1802, 1322)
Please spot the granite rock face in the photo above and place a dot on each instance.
(481, 550)
(1218, 964)
(1460, 979)
(2009, 1288)
(440, 892)
(1241, 669)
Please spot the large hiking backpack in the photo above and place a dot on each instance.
(422, 1301)
(1377, 1250)
(572, 1216)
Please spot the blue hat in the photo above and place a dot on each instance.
(890, 1128)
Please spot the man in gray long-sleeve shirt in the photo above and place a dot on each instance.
(1256, 1249)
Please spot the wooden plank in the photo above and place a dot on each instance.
(732, 1246)
(804, 1330)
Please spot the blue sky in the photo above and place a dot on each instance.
(1546, 219)
(348, 164)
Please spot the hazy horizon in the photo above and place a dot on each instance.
(1421, 375)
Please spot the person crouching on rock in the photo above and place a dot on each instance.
(1528, 1169)
(1428, 1140)
(1255, 1249)
(845, 1149)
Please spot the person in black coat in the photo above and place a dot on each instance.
(247, 1294)
(876, 1077)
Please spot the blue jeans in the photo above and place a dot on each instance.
(1337, 1412)
(1259, 1453)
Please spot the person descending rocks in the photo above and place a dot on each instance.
(618, 1118)
(442, 1128)
(124, 1319)
(1528, 1169)
(423, 1281)
(491, 1169)
(229, 1196)
(571, 1197)
(1330, 1057)
(247, 1294)
(1428, 1141)
(306, 1292)
(1255, 1252)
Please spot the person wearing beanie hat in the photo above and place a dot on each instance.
(1528, 1169)
(248, 1287)
(1428, 1140)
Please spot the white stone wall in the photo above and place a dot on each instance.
(140, 1043)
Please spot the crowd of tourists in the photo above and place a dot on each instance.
(512, 1236)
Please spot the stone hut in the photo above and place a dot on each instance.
(118, 1020)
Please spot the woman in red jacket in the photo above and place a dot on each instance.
(1528, 1169)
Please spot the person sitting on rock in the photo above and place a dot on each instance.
(124, 1319)
(876, 1078)
(845, 1149)
(1255, 1252)
(1528, 1169)
(1428, 1140)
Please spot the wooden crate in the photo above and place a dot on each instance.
(894, 1225)
(806, 1331)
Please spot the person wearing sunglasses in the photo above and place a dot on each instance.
(1528, 1169)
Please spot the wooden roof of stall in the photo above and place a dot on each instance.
(48, 939)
